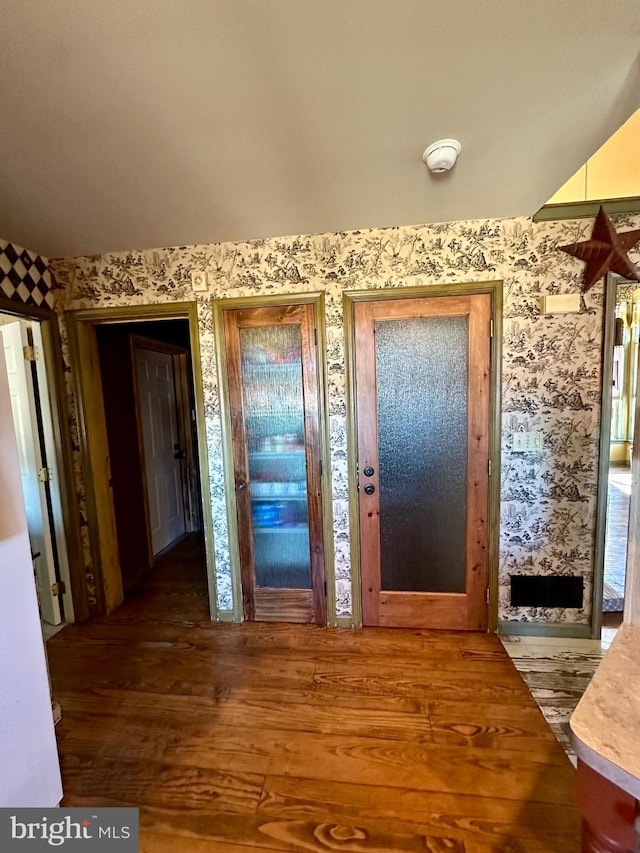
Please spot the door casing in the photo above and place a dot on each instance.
(91, 422)
(219, 306)
(52, 355)
(27, 397)
(632, 581)
(350, 298)
(608, 325)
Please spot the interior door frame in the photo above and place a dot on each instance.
(317, 300)
(83, 347)
(606, 402)
(54, 368)
(349, 300)
(27, 389)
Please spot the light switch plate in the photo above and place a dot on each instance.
(561, 303)
(199, 281)
(526, 442)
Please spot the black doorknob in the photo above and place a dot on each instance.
(368, 471)
(369, 489)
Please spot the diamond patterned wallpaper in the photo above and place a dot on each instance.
(25, 276)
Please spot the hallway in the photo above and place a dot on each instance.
(279, 737)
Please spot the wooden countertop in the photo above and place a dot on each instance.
(606, 723)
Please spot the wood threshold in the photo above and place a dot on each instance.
(283, 605)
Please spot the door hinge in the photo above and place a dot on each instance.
(490, 328)
(488, 595)
(325, 589)
(58, 588)
(321, 467)
(45, 475)
(30, 353)
(489, 467)
(315, 337)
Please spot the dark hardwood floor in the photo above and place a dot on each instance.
(277, 737)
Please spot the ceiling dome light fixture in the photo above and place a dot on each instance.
(442, 155)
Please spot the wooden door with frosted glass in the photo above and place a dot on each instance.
(273, 398)
(423, 392)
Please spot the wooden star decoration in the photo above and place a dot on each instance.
(606, 251)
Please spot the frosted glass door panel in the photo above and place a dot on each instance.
(421, 376)
(271, 360)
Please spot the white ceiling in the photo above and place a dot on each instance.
(145, 123)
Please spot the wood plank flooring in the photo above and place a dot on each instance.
(557, 671)
(273, 737)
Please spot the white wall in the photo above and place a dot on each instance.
(30, 772)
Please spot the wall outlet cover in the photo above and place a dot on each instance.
(527, 442)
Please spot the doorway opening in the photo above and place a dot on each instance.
(147, 384)
(139, 397)
(620, 365)
(32, 408)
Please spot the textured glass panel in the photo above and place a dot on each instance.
(421, 369)
(271, 359)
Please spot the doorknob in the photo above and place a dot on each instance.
(369, 489)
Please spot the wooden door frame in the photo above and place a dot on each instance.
(82, 328)
(350, 298)
(50, 332)
(632, 580)
(142, 342)
(606, 401)
(218, 307)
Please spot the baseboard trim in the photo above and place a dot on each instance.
(225, 616)
(545, 629)
(344, 621)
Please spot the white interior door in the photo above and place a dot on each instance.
(23, 406)
(160, 438)
(56, 513)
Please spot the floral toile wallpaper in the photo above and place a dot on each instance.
(550, 367)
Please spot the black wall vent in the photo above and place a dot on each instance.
(546, 591)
